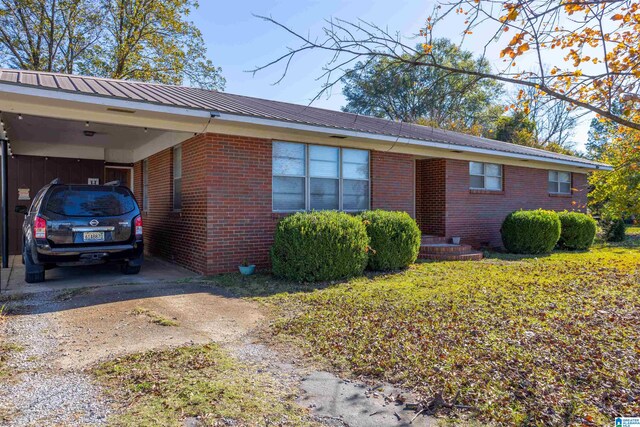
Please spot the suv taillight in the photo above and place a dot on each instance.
(137, 222)
(39, 228)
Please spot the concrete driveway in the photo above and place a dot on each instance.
(153, 270)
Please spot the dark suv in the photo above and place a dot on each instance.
(81, 224)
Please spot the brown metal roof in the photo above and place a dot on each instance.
(222, 102)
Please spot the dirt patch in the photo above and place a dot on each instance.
(113, 321)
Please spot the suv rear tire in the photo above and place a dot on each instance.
(127, 268)
(34, 277)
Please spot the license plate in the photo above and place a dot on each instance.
(93, 236)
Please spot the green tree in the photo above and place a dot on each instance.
(144, 40)
(47, 35)
(516, 128)
(399, 91)
(520, 128)
(615, 193)
(601, 131)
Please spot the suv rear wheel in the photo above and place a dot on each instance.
(132, 266)
(127, 268)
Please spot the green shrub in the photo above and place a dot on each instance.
(319, 246)
(613, 229)
(577, 230)
(394, 239)
(530, 232)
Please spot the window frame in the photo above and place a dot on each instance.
(174, 178)
(484, 176)
(558, 182)
(307, 179)
(145, 185)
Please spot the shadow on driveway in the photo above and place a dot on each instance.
(65, 278)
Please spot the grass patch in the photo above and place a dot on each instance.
(553, 340)
(7, 298)
(259, 285)
(6, 349)
(154, 317)
(633, 230)
(163, 388)
(67, 294)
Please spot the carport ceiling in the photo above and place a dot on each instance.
(36, 129)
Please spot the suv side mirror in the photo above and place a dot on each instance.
(22, 209)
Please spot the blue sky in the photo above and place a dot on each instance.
(237, 41)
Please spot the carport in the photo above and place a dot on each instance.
(48, 134)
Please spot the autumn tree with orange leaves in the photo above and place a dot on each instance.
(598, 42)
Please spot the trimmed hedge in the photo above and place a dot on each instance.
(394, 239)
(530, 232)
(577, 230)
(613, 229)
(319, 246)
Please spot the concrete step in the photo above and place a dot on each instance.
(466, 256)
(439, 248)
(431, 240)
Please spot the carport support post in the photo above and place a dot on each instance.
(5, 203)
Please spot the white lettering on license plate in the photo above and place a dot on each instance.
(93, 236)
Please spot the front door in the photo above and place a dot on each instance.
(118, 173)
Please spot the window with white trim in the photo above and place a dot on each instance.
(485, 176)
(559, 182)
(177, 178)
(316, 177)
(145, 185)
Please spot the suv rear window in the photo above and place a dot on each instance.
(90, 201)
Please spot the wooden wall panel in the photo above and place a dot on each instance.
(35, 172)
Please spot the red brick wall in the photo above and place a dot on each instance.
(226, 209)
(177, 236)
(392, 181)
(477, 216)
(430, 195)
(240, 219)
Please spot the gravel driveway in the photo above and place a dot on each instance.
(63, 333)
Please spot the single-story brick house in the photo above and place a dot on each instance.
(214, 172)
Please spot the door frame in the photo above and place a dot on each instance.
(130, 168)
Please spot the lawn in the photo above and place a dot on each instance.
(525, 341)
(202, 382)
(633, 231)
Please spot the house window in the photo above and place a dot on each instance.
(559, 182)
(324, 181)
(289, 176)
(315, 177)
(145, 185)
(177, 178)
(355, 180)
(485, 176)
